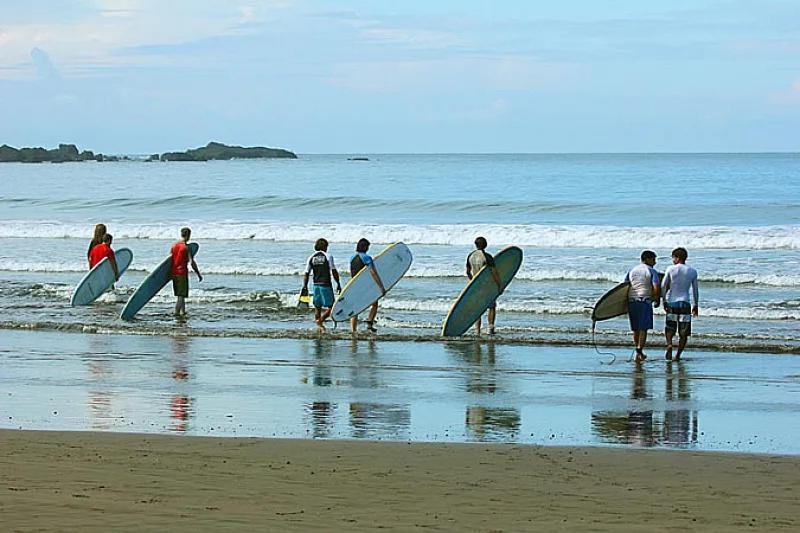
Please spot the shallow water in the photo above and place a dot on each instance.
(581, 220)
(411, 391)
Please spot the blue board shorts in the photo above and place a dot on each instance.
(323, 296)
(640, 313)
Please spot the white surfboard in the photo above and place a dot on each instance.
(99, 279)
(362, 290)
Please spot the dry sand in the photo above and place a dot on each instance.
(103, 481)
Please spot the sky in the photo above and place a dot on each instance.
(441, 76)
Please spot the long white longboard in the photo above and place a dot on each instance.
(100, 278)
(362, 290)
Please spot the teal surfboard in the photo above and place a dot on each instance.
(151, 285)
(99, 279)
(481, 291)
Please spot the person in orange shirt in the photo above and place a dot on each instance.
(181, 258)
(101, 251)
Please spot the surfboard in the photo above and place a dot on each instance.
(100, 278)
(480, 292)
(151, 285)
(362, 290)
(612, 304)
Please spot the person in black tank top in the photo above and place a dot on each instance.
(321, 268)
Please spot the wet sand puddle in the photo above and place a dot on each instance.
(461, 391)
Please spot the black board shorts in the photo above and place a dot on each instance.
(180, 286)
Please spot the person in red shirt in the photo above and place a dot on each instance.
(181, 258)
(101, 251)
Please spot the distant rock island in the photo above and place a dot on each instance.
(213, 151)
(63, 154)
(69, 152)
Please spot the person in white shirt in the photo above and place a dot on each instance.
(643, 294)
(679, 278)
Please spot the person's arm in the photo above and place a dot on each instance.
(377, 279)
(194, 265)
(469, 269)
(656, 290)
(665, 283)
(113, 260)
(335, 274)
(696, 294)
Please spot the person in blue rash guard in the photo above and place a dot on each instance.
(359, 261)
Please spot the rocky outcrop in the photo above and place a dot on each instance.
(219, 151)
(63, 154)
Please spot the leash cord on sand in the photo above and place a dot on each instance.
(596, 349)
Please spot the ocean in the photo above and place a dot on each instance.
(582, 221)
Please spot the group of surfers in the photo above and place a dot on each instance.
(677, 287)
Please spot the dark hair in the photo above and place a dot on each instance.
(321, 245)
(186, 233)
(107, 238)
(681, 253)
(648, 254)
(480, 243)
(362, 245)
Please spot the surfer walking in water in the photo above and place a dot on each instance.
(642, 296)
(102, 251)
(361, 260)
(181, 258)
(99, 231)
(679, 278)
(323, 268)
(475, 262)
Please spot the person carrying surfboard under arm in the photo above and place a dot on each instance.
(679, 279)
(101, 251)
(97, 238)
(323, 268)
(181, 258)
(475, 262)
(360, 260)
(642, 296)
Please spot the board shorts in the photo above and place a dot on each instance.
(492, 305)
(640, 314)
(180, 286)
(323, 296)
(679, 319)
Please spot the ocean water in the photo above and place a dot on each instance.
(581, 220)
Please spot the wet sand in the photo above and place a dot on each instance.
(99, 481)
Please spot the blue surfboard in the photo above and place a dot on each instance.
(481, 291)
(151, 285)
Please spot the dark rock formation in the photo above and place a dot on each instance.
(63, 154)
(214, 150)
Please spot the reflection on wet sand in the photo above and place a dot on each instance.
(642, 426)
(484, 423)
(181, 404)
(100, 398)
(364, 419)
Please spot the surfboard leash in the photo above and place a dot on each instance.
(596, 349)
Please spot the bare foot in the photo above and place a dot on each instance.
(668, 353)
(320, 325)
(640, 356)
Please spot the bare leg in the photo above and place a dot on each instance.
(668, 334)
(681, 345)
(373, 312)
(639, 338)
(354, 324)
(492, 315)
(180, 305)
(318, 318)
(478, 326)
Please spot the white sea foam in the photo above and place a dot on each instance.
(533, 235)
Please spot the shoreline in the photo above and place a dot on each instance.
(343, 334)
(97, 480)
